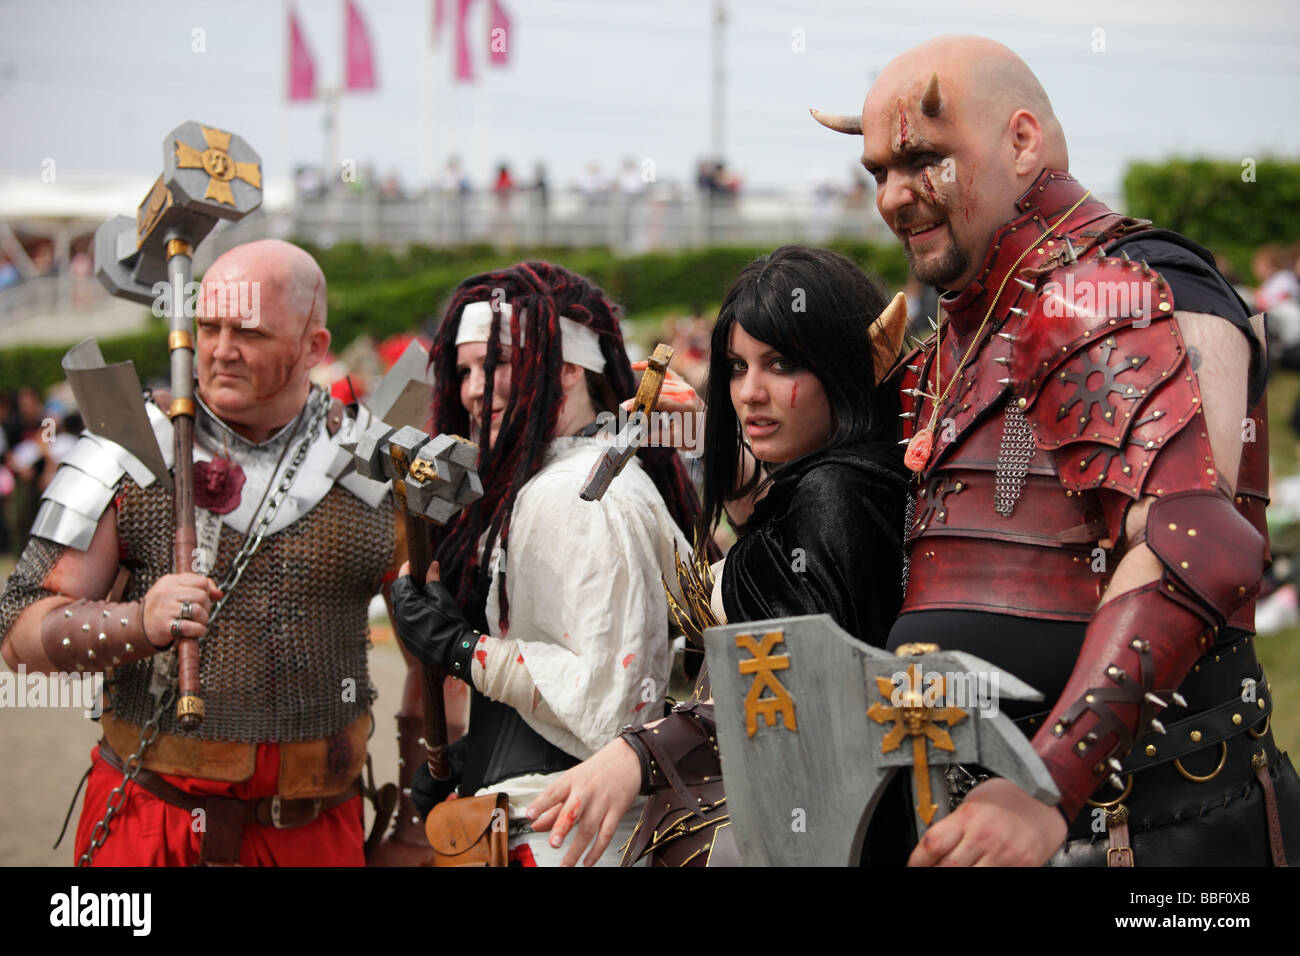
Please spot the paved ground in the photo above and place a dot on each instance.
(45, 752)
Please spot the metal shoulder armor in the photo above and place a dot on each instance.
(85, 483)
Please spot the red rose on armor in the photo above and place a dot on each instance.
(217, 485)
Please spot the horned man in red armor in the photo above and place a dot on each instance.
(1088, 434)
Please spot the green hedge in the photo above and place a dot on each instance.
(1208, 201)
(39, 365)
(377, 291)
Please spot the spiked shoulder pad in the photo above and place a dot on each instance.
(1103, 374)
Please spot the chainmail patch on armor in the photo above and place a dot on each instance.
(286, 660)
(1014, 454)
(909, 516)
(25, 585)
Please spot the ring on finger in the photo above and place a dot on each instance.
(176, 628)
(187, 611)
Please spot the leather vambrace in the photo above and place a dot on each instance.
(1140, 646)
(95, 635)
(680, 752)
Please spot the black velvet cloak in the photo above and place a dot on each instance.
(826, 539)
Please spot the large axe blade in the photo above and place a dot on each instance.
(809, 737)
(108, 397)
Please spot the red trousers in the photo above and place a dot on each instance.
(148, 831)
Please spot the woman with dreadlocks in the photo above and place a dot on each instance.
(552, 608)
(793, 396)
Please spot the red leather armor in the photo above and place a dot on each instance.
(1077, 399)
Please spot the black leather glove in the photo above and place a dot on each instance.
(426, 793)
(433, 627)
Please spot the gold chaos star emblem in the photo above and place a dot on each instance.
(216, 162)
(914, 716)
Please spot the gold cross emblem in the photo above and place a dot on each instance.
(916, 720)
(761, 665)
(216, 162)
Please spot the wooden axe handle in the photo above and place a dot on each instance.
(435, 709)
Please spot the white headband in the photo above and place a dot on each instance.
(578, 344)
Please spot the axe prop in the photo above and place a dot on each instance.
(632, 436)
(432, 479)
(812, 726)
(208, 174)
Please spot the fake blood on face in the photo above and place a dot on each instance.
(794, 393)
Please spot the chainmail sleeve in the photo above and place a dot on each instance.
(26, 585)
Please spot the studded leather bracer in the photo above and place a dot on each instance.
(1140, 646)
(682, 773)
(95, 635)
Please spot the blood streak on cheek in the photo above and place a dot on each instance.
(794, 393)
(929, 186)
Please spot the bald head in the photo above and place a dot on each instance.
(286, 276)
(981, 83)
(955, 131)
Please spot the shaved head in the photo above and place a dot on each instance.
(954, 132)
(261, 329)
(980, 79)
(287, 275)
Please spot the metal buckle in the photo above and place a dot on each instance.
(275, 814)
(1120, 850)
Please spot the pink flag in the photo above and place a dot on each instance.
(360, 60)
(498, 34)
(439, 17)
(302, 72)
(464, 67)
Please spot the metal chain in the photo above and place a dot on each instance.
(1016, 450)
(151, 728)
(272, 506)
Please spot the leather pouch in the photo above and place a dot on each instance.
(470, 831)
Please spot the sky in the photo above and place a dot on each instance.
(95, 85)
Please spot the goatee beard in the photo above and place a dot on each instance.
(944, 272)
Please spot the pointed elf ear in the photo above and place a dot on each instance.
(887, 335)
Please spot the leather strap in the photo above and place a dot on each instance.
(1119, 852)
(1259, 763)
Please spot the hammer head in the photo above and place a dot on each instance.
(208, 175)
(442, 480)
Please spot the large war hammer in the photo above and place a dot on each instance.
(208, 174)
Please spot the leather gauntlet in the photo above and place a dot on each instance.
(95, 635)
(1140, 646)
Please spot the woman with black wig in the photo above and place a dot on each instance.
(797, 355)
(550, 607)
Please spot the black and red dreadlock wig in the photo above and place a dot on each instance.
(539, 293)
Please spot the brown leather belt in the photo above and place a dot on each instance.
(224, 818)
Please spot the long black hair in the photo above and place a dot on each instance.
(539, 293)
(815, 307)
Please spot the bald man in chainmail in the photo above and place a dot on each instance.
(271, 777)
